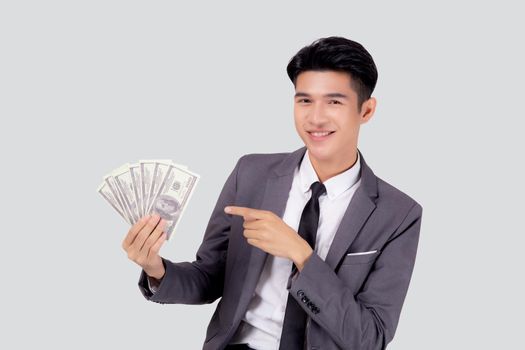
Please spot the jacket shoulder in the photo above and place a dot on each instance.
(261, 163)
(394, 197)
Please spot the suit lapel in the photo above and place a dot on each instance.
(359, 209)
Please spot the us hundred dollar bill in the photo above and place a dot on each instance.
(152, 172)
(134, 172)
(110, 195)
(159, 173)
(172, 195)
(124, 183)
(146, 175)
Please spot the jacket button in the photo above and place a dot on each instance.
(304, 299)
(300, 293)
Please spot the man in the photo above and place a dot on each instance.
(307, 249)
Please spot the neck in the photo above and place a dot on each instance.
(326, 169)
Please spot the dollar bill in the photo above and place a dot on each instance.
(109, 195)
(159, 173)
(134, 171)
(124, 183)
(112, 185)
(172, 195)
(146, 172)
(158, 169)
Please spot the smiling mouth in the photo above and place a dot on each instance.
(320, 133)
(319, 136)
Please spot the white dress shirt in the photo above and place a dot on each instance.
(261, 325)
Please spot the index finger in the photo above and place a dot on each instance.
(247, 213)
(133, 231)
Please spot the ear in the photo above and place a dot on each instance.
(367, 110)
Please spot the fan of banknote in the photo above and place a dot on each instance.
(150, 187)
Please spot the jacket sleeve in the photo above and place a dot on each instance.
(200, 281)
(368, 319)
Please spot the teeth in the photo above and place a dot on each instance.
(320, 133)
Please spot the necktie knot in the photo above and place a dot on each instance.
(317, 189)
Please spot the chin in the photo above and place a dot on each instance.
(320, 153)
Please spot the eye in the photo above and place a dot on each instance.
(303, 100)
(336, 102)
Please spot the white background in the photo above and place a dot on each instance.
(86, 86)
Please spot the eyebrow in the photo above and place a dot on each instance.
(333, 94)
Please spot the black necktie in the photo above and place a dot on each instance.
(293, 332)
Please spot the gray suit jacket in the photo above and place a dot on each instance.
(352, 301)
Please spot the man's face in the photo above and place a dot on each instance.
(324, 100)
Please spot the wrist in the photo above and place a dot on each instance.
(302, 254)
(156, 273)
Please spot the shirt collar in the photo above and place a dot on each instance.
(334, 185)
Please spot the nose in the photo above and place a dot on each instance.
(316, 114)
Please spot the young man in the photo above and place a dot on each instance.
(307, 249)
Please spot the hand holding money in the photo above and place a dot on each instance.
(143, 242)
(148, 187)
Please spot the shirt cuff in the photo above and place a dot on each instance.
(153, 284)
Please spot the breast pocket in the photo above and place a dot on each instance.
(360, 257)
(355, 268)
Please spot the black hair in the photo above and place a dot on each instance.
(338, 54)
